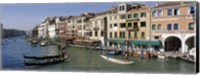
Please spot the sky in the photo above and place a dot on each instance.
(26, 16)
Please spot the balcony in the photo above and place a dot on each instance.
(135, 19)
(88, 28)
(132, 28)
(96, 28)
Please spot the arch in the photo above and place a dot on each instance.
(190, 42)
(172, 43)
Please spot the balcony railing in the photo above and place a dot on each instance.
(135, 19)
(96, 28)
(88, 28)
(132, 28)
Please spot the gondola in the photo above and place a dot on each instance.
(48, 61)
(43, 57)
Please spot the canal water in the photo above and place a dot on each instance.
(82, 59)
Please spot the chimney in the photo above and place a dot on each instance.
(157, 3)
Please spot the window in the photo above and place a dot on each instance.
(90, 33)
(160, 13)
(169, 12)
(110, 34)
(115, 25)
(159, 27)
(122, 25)
(102, 33)
(192, 10)
(169, 26)
(79, 21)
(143, 14)
(110, 25)
(135, 15)
(115, 34)
(129, 24)
(110, 17)
(122, 34)
(129, 16)
(115, 17)
(176, 11)
(121, 8)
(135, 24)
(135, 34)
(154, 27)
(96, 33)
(123, 16)
(154, 13)
(83, 26)
(142, 24)
(142, 34)
(95, 22)
(176, 26)
(191, 26)
(129, 34)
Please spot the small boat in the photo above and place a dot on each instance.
(116, 60)
(43, 43)
(161, 56)
(34, 42)
(47, 61)
(113, 52)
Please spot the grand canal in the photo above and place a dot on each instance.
(82, 59)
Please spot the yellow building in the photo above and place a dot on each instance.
(130, 22)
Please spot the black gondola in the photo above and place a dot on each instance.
(44, 57)
(48, 61)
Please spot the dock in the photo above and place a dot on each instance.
(179, 55)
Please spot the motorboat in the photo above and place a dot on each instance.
(118, 61)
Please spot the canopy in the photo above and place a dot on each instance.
(146, 42)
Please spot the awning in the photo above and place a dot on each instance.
(154, 43)
(116, 41)
(139, 42)
(146, 42)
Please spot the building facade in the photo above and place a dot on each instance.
(61, 24)
(71, 27)
(83, 24)
(171, 23)
(51, 27)
(129, 22)
(174, 24)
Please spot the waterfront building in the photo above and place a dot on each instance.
(71, 27)
(83, 24)
(61, 27)
(42, 30)
(51, 27)
(97, 26)
(174, 24)
(129, 22)
(138, 22)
